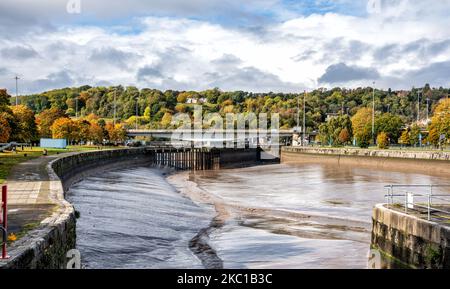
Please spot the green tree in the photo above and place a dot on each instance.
(389, 124)
(414, 135)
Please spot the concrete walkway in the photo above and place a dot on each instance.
(28, 182)
(29, 201)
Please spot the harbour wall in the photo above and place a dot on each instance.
(409, 161)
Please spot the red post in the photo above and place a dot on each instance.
(5, 220)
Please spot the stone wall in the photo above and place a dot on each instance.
(424, 162)
(410, 240)
(46, 247)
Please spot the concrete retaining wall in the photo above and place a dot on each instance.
(424, 162)
(410, 240)
(46, 247)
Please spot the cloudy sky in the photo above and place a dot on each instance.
(253, 45)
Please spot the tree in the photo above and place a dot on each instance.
(4, 98)
(333, 128)
(117, 133)
(63, 128)
(5, 130)
(26, 130)
(96, 133)
(440, 123)
(404, 139)
(414, 134)
(434, 137)
(389, 124)
(80, 131)
(182, 97)
(344, 136)
(46, 119)
(383, 140)
(362, 127)
(166, 120)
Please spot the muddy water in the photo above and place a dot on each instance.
(134, 219)
(278, 216)
(295, 216)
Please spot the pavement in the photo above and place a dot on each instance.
(28, 195)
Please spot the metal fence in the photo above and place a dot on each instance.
(429, 199)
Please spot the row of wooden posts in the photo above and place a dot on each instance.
(186, 159)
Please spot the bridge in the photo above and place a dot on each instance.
(172, 133)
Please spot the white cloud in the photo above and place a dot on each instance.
(180, 53)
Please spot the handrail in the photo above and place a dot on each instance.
(409, 203)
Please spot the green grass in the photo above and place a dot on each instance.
(10, 159)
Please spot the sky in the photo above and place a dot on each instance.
(251, 45)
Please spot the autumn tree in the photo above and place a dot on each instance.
(383, 140)
(362, 127)
(166, 120)
(96, 133)
(404, 139)
(7, 120)
(5, 129)
(63, 128)
(80, 131)
(46, 119)
(116, 133)
(25, 130)
(344, 136)
(440, 123)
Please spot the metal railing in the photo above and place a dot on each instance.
(427, 199)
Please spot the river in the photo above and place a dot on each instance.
(275, 216)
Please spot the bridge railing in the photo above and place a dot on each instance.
(434, 200)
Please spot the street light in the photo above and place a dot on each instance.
(304, 119)
(418, 105)
(114, 117)
(17, 89)
(137, 108)
(373, 112)
(76, 107)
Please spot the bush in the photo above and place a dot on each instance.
(383, 141)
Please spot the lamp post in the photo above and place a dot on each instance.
(114, 117)
(304, 119)
(373, 113)
(418, 105)
(76, 107)
(17, 89)
(298, 112)
(137, 112)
